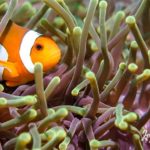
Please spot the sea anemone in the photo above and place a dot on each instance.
(97, 97)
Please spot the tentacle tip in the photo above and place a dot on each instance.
(90, 75)
(75, 92)
(136, 137)
(94, 143)
(32, 113)
(3, 102)
(103, 4)
(77, 31)
(123, 125)
(24, 138)
(134, 45)
(1, 88)
(121, 14)
(131, 117)
(132, 67)
(122, 66)
(130, 20)
(57, 79)
(38, 66)
(147, 73)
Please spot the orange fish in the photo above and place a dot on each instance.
(20, 49)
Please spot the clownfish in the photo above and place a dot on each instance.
(20, 49)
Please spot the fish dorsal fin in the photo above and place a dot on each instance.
(25, 49)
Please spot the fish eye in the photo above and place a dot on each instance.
(39, 47)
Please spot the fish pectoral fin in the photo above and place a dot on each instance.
(10, 67)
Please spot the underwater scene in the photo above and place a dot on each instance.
(74, 74)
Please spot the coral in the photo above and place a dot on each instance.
(97, 97)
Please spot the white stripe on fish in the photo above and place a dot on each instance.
(4, 57)
(25, 49)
